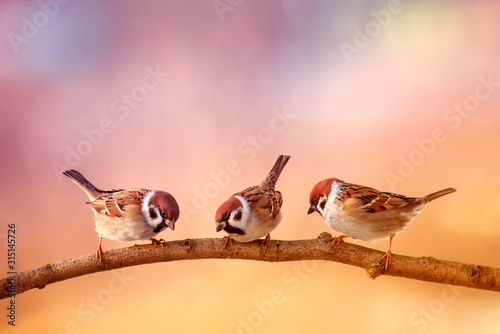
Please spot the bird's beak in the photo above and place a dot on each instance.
(220, 226)
(312, 208)
(171, 224)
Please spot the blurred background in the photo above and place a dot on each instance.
(401, 96)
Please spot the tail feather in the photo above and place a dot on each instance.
(83, 183)
(274, 173)
(438, 194)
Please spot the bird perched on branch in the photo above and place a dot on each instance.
(254, 212)
(128, 214)
(365, 213)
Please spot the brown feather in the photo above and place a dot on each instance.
(112, 204)
(438, 194)
(274, 173)
(268, 199)
(372, 200)
(92, 191)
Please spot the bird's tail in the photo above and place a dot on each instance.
(438, 194)
(274, 173)
(83, 183)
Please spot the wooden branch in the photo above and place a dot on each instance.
(423, 268)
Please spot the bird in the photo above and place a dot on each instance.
(255, 212)
(365, 213)
(128, 214)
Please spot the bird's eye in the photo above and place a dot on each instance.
(163, 214)
(315, 201)
(225, 216)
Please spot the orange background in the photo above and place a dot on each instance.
(385, 116)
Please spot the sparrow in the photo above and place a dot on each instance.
(364, 213)
(128, 214)
(253, 213)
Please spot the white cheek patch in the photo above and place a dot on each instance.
(331, 201)
(322, 202)
(154, 218)
(149, 212)
(244, 211)
(335, 192)
(237, 214)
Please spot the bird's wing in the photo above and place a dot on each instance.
(266, 200)
(371, 200)
(114, 204)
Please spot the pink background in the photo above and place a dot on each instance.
(385, 116)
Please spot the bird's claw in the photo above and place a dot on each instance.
(337, 240)
(157, 242)
(266, 243)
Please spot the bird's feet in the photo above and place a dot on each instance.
(388, 255)
(337, 240)
(157, 242)
(227, 239)
(99, 251)
(266, 243)
(387, 258)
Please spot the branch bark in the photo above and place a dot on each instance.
(423, 268)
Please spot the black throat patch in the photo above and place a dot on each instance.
(160, 227)
(231, 229)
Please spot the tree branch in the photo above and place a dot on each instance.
(424, 268)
